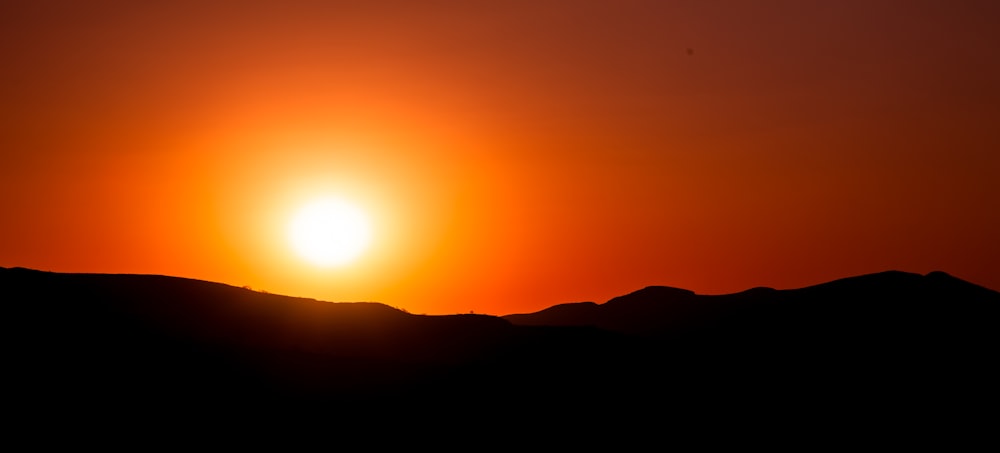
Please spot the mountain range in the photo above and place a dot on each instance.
(899, 345)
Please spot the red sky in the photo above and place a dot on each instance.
(512, 155)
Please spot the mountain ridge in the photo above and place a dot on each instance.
(648, 309)
(142, 344)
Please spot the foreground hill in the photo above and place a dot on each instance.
(148, 340)
(903, 345)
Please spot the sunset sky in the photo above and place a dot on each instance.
(508, 155)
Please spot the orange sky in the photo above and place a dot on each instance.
(512, 155)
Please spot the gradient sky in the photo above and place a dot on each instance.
(512, 154)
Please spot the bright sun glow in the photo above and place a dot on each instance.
(329, 232)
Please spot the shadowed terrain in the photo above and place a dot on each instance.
(898, 341)
(905, 346)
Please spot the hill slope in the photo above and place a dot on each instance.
(886, 302)
(914, 346)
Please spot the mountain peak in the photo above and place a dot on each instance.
(653, 293)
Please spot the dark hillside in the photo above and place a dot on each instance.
(905, 346)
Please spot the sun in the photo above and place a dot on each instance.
(329, 232)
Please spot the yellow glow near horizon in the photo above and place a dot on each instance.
(330, 232)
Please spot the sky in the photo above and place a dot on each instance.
(509, 155)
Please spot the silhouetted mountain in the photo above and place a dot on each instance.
(913, 346)
(886, 322)
(139, 341)
(878, 303)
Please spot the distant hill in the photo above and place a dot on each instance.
(885, 326)
(913, 346)
(882, 302)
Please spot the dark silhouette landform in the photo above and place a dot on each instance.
(886, 346)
